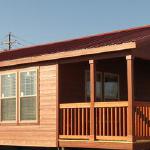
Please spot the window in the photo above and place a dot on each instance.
(8, 97)
(18, 103)
(106, 89)
(111, 86)
(28, 95)
(98, 86)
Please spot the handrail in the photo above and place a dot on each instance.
(140, 103)
(96, 104)
(75, 105)
(111, 104)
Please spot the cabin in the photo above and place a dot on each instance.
(90, 92)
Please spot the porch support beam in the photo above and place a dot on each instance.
(92, 98)
(130, 83)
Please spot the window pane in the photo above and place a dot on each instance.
(28, 108)
(8, 84)
(98, 87)
(111, 89)
(87, 85)
(28, 83)
(8, 109)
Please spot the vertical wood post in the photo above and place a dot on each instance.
(92, 99)
(130, 81)
(57, 105)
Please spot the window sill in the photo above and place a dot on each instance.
(8, 123)
(29, 122)
(15, 123)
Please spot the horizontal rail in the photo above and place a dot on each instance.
(96, 104)
(75, 105)
(112, 138)
(145, 138)
(85, 137)
(140, 103)
(111, 104)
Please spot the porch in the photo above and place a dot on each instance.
(89, 116)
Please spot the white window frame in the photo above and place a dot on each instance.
(37, 105)
(118, 84)
(8, 73)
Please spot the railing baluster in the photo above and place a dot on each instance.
(71, 119)
(112, 120)
(116, 121)
(107, 121)
(100, 121)
(96, 120)
(64, 122)
(86, 121)
(146, 121)
(124, 122)
(143, 116)
(136, 122)
(102, 116)
(83, 121)
(140, 122)
(79, 121)
(148, 118)
(103, 121)
(75, 121)
(68, 120)
(120, 122)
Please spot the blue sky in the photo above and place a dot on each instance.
(42, 21)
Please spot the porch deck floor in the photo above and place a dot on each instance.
(122, 145)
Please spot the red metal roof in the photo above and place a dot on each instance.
(116, 37)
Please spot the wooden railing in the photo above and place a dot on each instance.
(142, 120)
(75, 120)
(110, 120)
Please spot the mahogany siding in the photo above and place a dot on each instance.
(142, 80)
(44, 133)
(72, 76)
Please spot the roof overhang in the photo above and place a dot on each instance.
(70, 54)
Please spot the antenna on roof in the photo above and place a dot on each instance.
(11, 41)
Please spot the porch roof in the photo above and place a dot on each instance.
(138, 35)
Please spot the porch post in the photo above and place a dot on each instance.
(92, 99)
(130, 82)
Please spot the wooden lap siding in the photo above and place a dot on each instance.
(44, 133)
(142, 80)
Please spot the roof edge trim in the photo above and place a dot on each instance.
(69, 54)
